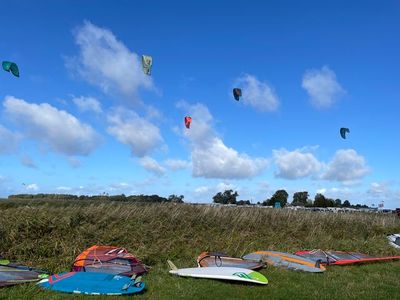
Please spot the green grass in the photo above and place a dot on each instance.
(50, 234)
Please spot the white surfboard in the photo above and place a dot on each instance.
(394, 240)
(224, 273)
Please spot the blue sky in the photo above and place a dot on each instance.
(84, 119)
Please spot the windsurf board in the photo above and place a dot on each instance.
(223, 273)
(92, 283)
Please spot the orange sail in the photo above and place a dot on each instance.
(108, 259)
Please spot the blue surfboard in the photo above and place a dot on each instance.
(91, 283)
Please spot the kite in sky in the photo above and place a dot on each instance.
(343, 132)
(237, 93)
(11, 67)
(147, 63)
(188, 120)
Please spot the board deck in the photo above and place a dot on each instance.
(91, 283)
(223, 273)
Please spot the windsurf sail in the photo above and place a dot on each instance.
(108, 259)
(342, 257)
(286, 260)
(221, 259)
(14, 273)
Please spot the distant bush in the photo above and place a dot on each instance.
(106, 197)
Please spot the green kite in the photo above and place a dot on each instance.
(11, 67)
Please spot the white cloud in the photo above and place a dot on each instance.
(87, 104)
(211, 158)
(220, 161)
(32, 187)
(346, 166)
(207, 192)
(121, 188)
(58, 129)
(120, 185)
(223, 186)
(63, 188)
(176, 164)
(151, 165)
(295, 164)
(106, 62)
(322, 87)
(8, 141)
(202, 190)
(129, 128)
(257, 94)
(378, 189)
(336, 192)
(386, 191)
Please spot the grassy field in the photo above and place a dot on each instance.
(50, 234)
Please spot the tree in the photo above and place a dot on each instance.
(227, 197)
(243, 202)
(279, 196)
(300, 198)
(358, 206)
(330, 202)
(176, 199)
(320, 200)
(310, 203)
(346, 203)
(338, 203)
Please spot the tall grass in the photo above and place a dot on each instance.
(156, 232)
(51, 234)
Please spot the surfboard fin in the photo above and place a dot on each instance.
(171, 265)
(134, 281)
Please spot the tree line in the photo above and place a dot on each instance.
(226, 197)
(281, 196)
(132, 198)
